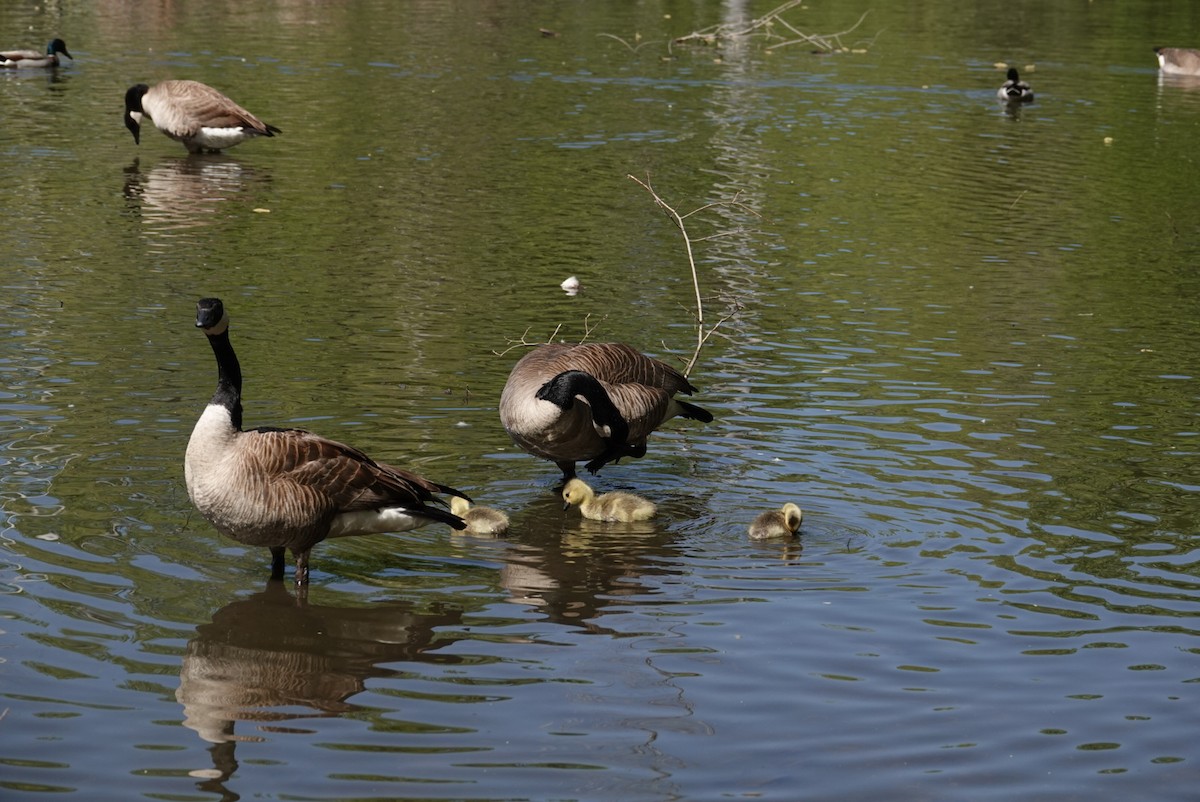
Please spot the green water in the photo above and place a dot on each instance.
(962, 337)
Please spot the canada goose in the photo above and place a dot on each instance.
(595, 401)
(23, 59)
(193, 113)
(289, 488)
(615, 506)
(1014, 90)
(480, 520)
(1178, 60)
(777, 523)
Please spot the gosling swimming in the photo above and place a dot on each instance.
(615, 506)
(783, 522)
(484, 521)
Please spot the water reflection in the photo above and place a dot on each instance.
(273, 658)
(573, 572)
(185, 192)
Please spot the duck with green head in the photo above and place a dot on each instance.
(34, 59)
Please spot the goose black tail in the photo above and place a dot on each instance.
(693, 412)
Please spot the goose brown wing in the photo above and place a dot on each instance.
(204, 106)
(617, 363)
(333, 474)
(642, 407)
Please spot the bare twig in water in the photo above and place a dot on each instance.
(677, 218)
(524, 342)
(776, 29)
(632, 48)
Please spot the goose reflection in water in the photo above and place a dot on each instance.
(190, 191)
(262, 657)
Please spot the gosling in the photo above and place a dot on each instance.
(774, 524)
(484, 521)
(616, 506)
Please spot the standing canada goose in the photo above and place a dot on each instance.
(777, 523)
(289, 488)
(615, 506)
(1178, 60)
(193, 113)
(24, 59)
(1014, 90)
(595, 401)
(480, 520)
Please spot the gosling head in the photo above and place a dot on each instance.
(576, 491)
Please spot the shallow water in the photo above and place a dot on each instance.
(962, 337)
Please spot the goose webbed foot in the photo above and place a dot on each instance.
(610, 454)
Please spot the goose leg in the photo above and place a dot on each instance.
(301, 566)
(568, 469)
(277, 562)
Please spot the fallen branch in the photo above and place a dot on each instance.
(524, 342)
(632, 48)
(677, 218)
(767, 27)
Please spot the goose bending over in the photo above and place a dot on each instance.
(25, 59)
(1014, 90)
(777, 523)
(289, 488)
(193, 113)
(595, 401)
(615, 506)
(1178, 60)
(480, 520)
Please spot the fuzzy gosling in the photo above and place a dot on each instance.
(615, 506)
(289, 488)
(777, 523)
(485, 521)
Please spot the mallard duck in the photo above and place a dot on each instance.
(289, 488)
(1178, 60)
(595, 401)
(27, 59)
(777, 523)
(480, 520)
(193, 113)
(1014, 90)
(615, 506)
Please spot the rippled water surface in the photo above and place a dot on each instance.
(963, 338)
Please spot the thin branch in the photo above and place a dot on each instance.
(678, 219)
(632, 48)
(525, 343)
(769, 27)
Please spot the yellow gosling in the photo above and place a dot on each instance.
(616, 506)
(774, 524)
(480, 520)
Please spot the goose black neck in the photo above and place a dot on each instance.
(562, 389)
(229, 377)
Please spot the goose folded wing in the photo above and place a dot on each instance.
(642, 407)
(345, 478)
(618, 363)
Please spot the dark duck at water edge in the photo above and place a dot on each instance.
(197, 115)
(289, 489)
(1014, 90)
(594, 401)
